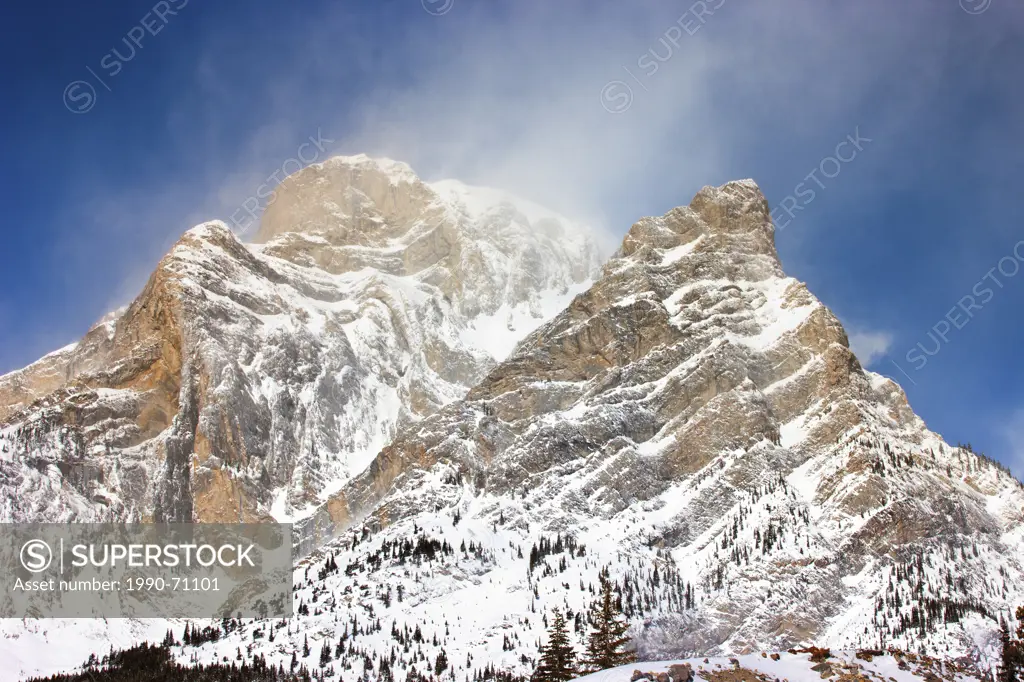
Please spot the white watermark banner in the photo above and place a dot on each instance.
(145, 570)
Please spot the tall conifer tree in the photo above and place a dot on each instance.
(606, 645)
(558, 656)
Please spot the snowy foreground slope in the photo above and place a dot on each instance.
(798, 667)
(693, 425)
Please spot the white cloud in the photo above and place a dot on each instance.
(517, 103)
(869, 346)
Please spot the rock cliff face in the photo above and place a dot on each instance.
(697, 420)
(692, 425)
(246, 381)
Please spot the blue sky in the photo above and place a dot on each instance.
(607, 111)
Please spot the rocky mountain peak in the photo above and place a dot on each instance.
(697, 413)
(348, 200)
(352, 213)
(405, 368)
(247, 381)
(733, 219)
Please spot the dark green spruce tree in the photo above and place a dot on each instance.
(607, 643)
(558, 656)
(1011, 668)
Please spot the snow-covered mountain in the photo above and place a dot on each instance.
(249, 381)
(693, 424)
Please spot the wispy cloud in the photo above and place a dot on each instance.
(515, 101)
(870, 346)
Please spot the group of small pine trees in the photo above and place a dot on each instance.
(151, 663)
(606, 644)
(1012, 667)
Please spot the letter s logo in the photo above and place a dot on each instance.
(36, 556)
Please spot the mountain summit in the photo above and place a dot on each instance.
(246, 381)
(472, 424)
(697, 421)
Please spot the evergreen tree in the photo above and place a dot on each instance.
(557, 657)
(441, 664)
(1006, 671)
(1011, 667)
(168, 639)
(606, 645)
